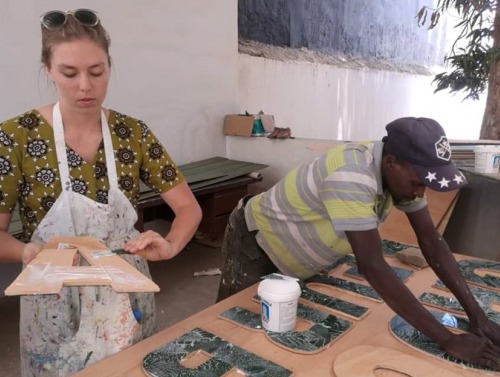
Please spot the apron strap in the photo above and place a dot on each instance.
(62, 159)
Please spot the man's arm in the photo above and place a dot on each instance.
(367, 248)
(439, 257)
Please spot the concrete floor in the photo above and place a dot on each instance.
(181, 295)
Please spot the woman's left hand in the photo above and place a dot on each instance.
(151, 245)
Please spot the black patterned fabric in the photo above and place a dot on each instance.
(29, 174)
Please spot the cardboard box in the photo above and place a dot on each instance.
(238, 125)
(242, 125)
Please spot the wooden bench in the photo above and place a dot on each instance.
(216, 201)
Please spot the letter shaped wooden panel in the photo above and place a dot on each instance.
(53, 268)
(371, 361)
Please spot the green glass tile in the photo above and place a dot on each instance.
(333, 303)
(390, 248)
(448, 303)
(325, 330)
(468, 266)
(360, 289)
(484, 297)
(166, 360)
(244, 317)
(347, 259)
(408, 334)
(345, 307)
(402, 273)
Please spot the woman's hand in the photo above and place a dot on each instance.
(152, 246)
(30, 250)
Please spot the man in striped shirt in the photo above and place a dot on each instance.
(334, 205)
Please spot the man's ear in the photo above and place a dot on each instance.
(390, 160)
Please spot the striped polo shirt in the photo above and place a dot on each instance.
(302, 220)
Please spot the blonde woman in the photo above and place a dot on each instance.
(74, 168)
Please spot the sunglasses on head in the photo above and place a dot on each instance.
(56, 19)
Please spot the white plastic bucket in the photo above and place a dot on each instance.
(278, 304)
(487, 158)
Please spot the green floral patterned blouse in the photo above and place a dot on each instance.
(29, 173)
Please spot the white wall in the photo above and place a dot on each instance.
(280, 155)
(175, 65)
(322, 103)
(325, 102)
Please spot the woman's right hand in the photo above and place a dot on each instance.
(30, 250)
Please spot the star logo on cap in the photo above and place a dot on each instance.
(430, 176)
(458, 179)
(444, 182)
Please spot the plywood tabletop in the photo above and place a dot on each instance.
(371, 330)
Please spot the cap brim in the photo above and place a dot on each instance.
(441, 178)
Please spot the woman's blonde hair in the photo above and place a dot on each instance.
(73, 30)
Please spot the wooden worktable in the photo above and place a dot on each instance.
(372, 329)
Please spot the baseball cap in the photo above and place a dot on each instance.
(422, 143)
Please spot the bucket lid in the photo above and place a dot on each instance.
(279, 287)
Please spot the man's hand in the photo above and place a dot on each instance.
(151, 245)
(30, 250)
(474, 349)
(471, 347)
(488, 329)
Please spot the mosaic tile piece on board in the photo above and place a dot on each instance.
(389, 248)
(467, 268)
(166, 360)
(326, 328)
(346, 259)
(244, 318)
(360, 289)
(347, 308)
(408, 334)
(484, 297)
(402, 273)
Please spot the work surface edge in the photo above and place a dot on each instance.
(373, 330)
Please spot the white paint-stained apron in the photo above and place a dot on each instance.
(61, 334)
